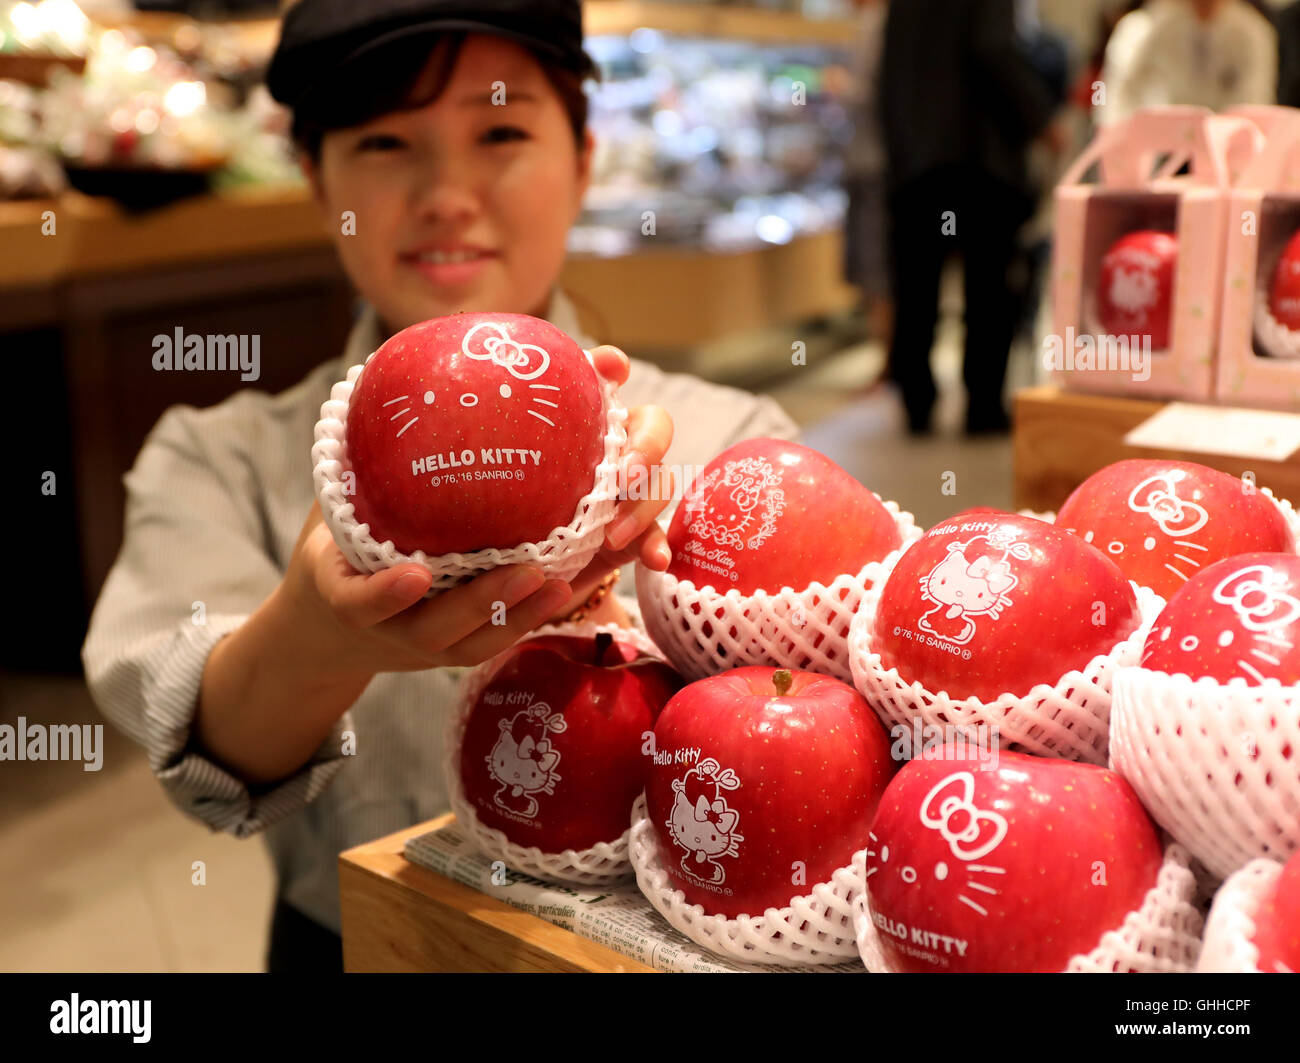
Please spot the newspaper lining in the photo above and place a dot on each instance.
(618, 917)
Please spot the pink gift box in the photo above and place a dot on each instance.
(1139, 186)
(1259, 359)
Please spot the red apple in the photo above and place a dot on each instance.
(1240, 617)
(1277, 923)
(1284, 293)
(1162, 520)
(552, 751)
(1018, 868)
(763, 784)
(988, 603)
(1135, 290)
(474, 431)
(767, 514)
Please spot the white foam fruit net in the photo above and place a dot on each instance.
(1163, 936)
(1069, 718)
(604, 863)
(1274, 337)
(564, 554)
(704, 632)
(1216, 764)
(814, 930)
(1229, 932)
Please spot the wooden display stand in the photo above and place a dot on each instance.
(1063, 437)
(399, 916)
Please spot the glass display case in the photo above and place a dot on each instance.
(711, 143)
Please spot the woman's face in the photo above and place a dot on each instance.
(464, 204)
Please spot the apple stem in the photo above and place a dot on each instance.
(603, 642)
(781, 679)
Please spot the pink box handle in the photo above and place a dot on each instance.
(1278, 166)
(1215, 147)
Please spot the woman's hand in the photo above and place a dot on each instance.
(646, 487)
(381, 621)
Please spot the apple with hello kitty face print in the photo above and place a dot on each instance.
(988, 602)
(1239, 618)
(474, 431)
(1016, 868)
(1161, 521)
(1135, 286)
(1277, 923)
(762, 784)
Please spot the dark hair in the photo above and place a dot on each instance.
(407, 75)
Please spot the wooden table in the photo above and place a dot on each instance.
(399, 916)
(1062, 437)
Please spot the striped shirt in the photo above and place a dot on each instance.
(215, 502)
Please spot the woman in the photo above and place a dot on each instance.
(275, 690)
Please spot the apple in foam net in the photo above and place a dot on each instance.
(1162, 521)
(1135, 286)
(767, 514)
(763, 784)
(474, 431)
(1284, 292)
(552, 750)
(1238, 618)
(1277, 923)
(1015, 869)
(988, 603)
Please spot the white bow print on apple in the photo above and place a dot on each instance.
(702, 823)
(960, 588)
(523, 362)
(522, 760)
(1255, 594)
(1157, 497)
(971, 833)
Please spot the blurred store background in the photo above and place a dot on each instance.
(728, 180)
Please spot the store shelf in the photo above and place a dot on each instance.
(709, 20)
(398, 916)
(1061, 438)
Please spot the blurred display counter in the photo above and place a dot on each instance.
(1062, 437)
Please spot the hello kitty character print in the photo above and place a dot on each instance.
(961, 588)
(523, 761)
(489, 341)
(972, 834)
(737, 505)
(1133, 290)
(702, 823)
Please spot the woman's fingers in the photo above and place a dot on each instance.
(611, 363)
(491, 639)
(649, 434)
(457, 613)
(360, 601)
(636, 515)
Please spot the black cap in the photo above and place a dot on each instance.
(320, 36)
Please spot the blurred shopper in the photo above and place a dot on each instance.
(1212, 53)
(1288, 55)
(865, 258)
(960, 105)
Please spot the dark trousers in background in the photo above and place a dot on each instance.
(985, 216)
(300, 945)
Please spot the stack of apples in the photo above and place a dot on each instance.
(746, 798)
